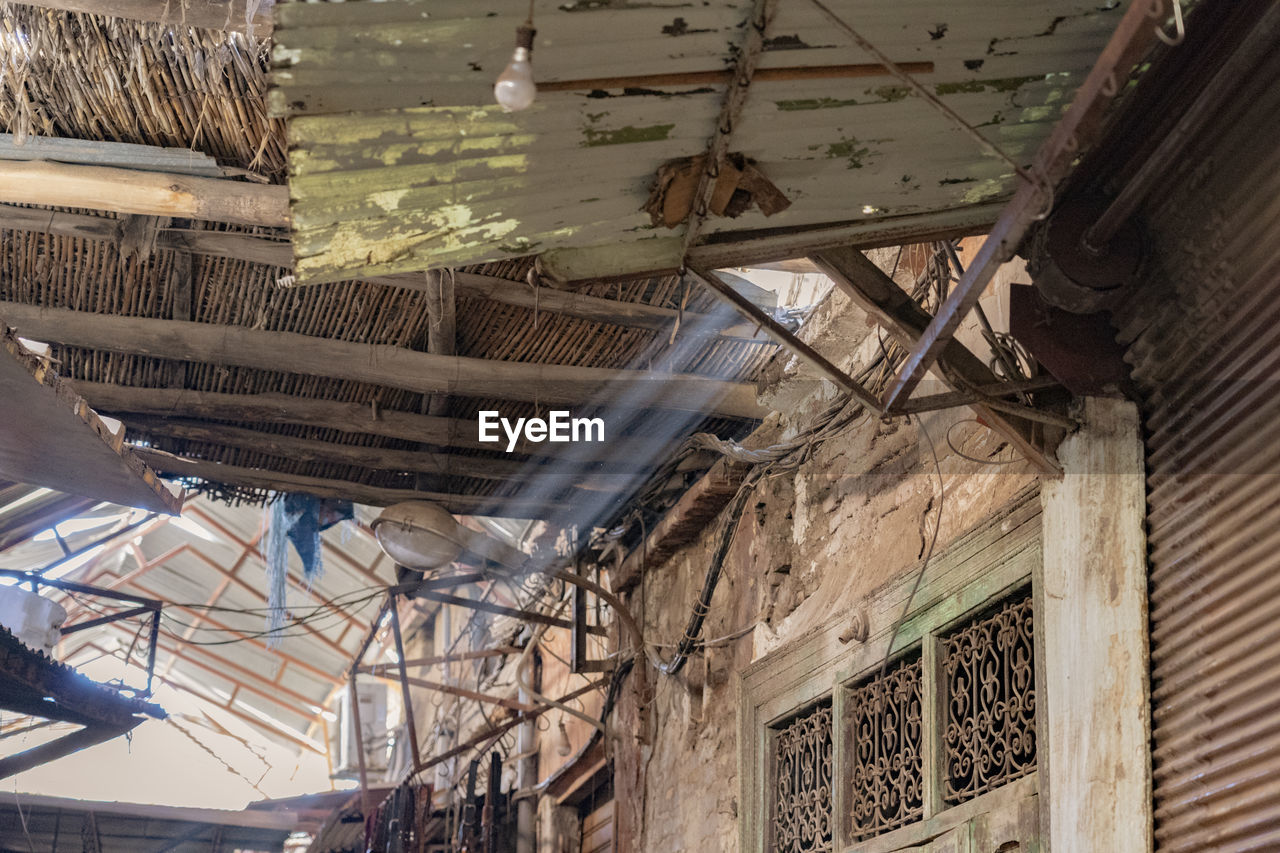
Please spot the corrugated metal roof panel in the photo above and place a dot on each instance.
(400, 160)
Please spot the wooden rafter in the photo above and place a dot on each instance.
(278, 252)
(359, 456)
(230, 16)
(625, 454)
(892, 308)
(383, 365)
(146, 193)
(257, 478)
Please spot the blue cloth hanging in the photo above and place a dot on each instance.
(299, 519)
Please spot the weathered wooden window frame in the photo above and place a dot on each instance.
(995, 560)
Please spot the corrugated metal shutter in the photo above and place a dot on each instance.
(1204, 341)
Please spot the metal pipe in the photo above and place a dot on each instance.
(1255, 46)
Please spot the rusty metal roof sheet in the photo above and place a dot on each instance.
(400, 160)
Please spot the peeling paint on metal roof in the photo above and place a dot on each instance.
(385, 104)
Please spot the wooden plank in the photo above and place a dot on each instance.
(384, 365)
(894, 309)
(147, 193)
(122, 155)
(374, 458)
(279, 252)
(1092, 623)
(285, 821)
(228, 15)
(50, 437)
(618, 455)
(256, 478)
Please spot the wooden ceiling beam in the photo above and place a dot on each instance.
(227, 15)
(278, 252)
(374, 458)
(261, 349)
(891, 307)
(256, 478)
(624, 454)
(145, 193)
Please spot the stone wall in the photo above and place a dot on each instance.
(812, 545)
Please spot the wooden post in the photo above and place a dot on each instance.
(1095, 701)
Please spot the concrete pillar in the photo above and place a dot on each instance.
(1095, 700)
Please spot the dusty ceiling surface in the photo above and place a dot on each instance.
(247, 418)
(399, 159)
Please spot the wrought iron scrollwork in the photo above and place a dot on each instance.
(886, 782)
(802, 782)
(990, 731)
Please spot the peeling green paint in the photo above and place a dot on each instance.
(521, 246)
(889, 94)
(815, 104)
(849, 148)
(625, 135)
(1002, 84)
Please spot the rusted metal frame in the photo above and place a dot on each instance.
(272, 691)
(71, 555)
(721, 76)
(1133, 37)
(500, 610)
(63, 746)
(1010, 368)
(503, 728)
(735, 99)
(191, 629)
(981, 394)
(111, 617)
(253, 548)
(249, 719)
(256, 593)
(461, 692)
(246, 550)
(895, 310)
(405, 693)
(477, 654)
(357, 726)
(784, 336)
(124, 580)
(85, 589)
(1233, 72)
(254, 641)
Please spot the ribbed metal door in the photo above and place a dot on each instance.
(1204, 342)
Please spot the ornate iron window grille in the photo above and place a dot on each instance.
(990, 706)
(802, 782)
(885, 726)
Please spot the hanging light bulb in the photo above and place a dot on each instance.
(563, 748)
(515, 89)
